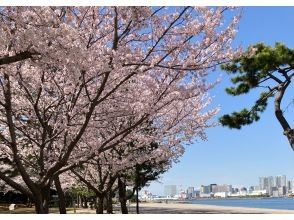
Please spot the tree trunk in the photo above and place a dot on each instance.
(137, 188)
(29, 203)
(99, 206)
(288, 131)
(39, 207)
(122, 196)
(82, 201)
(61, 197)
(79, 201)
(42, 201)
(85, 202)
(109, 202)
(137, 200)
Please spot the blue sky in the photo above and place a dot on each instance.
(239, 157)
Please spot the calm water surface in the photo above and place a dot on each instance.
(269, 203)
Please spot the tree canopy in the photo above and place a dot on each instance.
(78, 82)
(271, 70)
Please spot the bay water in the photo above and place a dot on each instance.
(270, 203)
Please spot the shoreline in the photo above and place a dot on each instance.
(183, 208)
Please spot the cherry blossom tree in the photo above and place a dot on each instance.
(119, 163)
(70, 76)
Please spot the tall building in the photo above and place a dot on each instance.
(266, 183)
(224, 188)
(281, 181)
(282, 190)
(191, 192)
(289, 185)
(262, 182)
(213, 188)
(170, 190)
(271, 181)
(205, 189)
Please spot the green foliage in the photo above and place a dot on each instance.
(81, 190)
(258, 65)
(245, 116)
(148, 171)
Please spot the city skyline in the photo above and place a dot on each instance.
(279, 180)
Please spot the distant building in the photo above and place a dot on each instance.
(191, 192)
(224, 188)
(235, 190)
(258, 192)
(205, 189)
(281, 181)
(243, 191)
(197, 193)
(170, 190)
(266, 183)
(213, 188)
(221, 194)
(205, 195)
(282, 190)
(289, 186)
(275, 192)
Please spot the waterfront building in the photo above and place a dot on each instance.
(292, 186)
(266, 183)
(258, 193)
(197, 193)
(213, 188)
(235, 190)
(263, 182)
(243, 191)
(274, 188)
(282, 190)
(205, 189)
(275, 193)
(191, 192)
(170, 190)
(281, 181)
(204, 195)
(224, 188)
(289, 186)
(221, 194)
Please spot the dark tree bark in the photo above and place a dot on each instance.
(137, 180)
(137, 200)
(85, 202)
(99, 206)
(122, 196)
(42, 201)
(288, 131)
(79, 201)
(109, 202)
(61, 197)
(17, 57)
